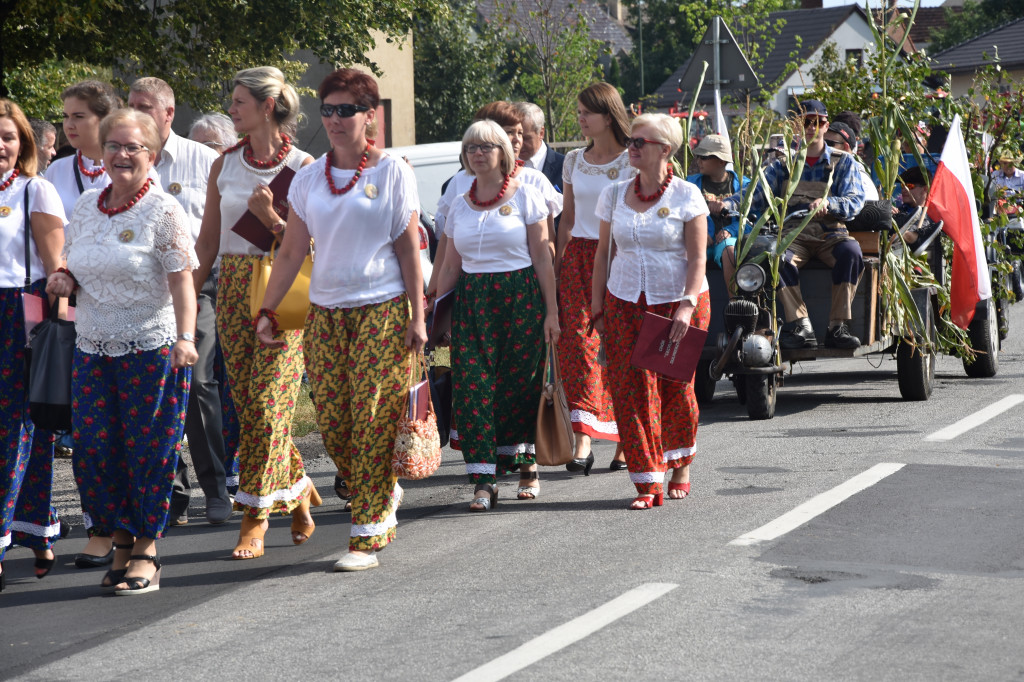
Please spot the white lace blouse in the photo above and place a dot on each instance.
(650, 255)
(588, 181)
(121, 264)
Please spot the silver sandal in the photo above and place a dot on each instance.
(484, 503)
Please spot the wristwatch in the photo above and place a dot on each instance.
(692, 300)
(187, 336)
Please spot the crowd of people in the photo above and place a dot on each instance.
(138, 227)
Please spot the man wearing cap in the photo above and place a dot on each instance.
(914, 194)
(841, 136)
(825, 236)
(1009, 177)
(717, 182)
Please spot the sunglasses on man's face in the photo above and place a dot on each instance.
(816, 121)
(837, 144)
(639, 142)
(343, 110)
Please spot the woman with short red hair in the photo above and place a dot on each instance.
(360, 206)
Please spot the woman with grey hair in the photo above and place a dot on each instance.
(264, 380)
(215, 131)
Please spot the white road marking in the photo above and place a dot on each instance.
(569, 633)
(976, 419)
(817, 505)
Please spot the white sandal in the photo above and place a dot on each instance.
(484, 503)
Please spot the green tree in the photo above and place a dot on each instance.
(974, 19)
(459, 67)
(37, 88)
(197, 46)
(555, 55)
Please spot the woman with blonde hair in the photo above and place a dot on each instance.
(656, 226)
(27, 515)
(498, 261)
(585, 174)
(264, 381)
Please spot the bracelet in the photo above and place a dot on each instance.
(270, 315)
(68, 273)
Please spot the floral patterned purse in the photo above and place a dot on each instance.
(417, 452)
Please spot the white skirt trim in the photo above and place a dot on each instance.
(679, 453)
(591, 420)
(265, 501)
(481, 468)
(647, 477)
(35, 529)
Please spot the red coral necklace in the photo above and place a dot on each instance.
(355, 178)
(94, 173)
(656, 195)
(491, 202)
(7, 183)
(101, 204)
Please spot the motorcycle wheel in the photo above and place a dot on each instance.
(915, 371)
(984, 335)
(703, 384)
(761, 393)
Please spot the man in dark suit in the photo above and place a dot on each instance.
(535, 153)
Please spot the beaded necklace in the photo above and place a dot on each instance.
(101, 203)
(491, 202)
(278, 158)
(355, 178)
(7, 183)
(656, 195)
(94, 173)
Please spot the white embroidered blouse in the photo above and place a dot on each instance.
(121, 264)
(650, 255)
(494, 240)
(588, 180)
(462, 181)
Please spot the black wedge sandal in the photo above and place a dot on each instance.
(115, 576)
(137, 585)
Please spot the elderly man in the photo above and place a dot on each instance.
(45, 137)
(717, 181)
(182, 169)
(1009, 178)
(535, 153)
(825, 236)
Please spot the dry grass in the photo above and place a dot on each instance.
(304, 421)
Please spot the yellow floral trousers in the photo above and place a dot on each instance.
(359, 367)
(265, 385)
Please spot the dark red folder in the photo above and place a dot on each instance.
(653, 351)
(250, 227)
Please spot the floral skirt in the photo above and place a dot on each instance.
(497, 370)
(27, 515)
(127, 419)
(585, 381)
(265, 385)
(657, 418)
(358, 366)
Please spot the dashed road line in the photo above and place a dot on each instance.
(977, 419)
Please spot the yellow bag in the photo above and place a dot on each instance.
(294, 307)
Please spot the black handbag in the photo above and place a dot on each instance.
(52, 348)
(441, 397)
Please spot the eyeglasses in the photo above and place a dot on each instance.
(130, 149)
(486, 148)
(705, 157)
(818, 121)
(343, 110)
(639, 142)
(835, 143)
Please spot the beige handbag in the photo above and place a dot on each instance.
(294, 307)
(555, 441)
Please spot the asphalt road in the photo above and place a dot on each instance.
(915, 577)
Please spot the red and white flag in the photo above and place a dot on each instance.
(951, 200)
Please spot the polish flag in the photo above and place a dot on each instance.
(951, 200)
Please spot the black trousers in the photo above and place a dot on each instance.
(203, 422)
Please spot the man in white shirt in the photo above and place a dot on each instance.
(1008, 177)
(182, 170)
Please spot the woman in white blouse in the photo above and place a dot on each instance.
(27, 516)
(498, 261)
(656, 225)
(129, 257)
(361, 208)
(85, 105)
(264, 381)
(585, 174)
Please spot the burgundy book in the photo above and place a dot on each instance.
(250, 227)
(419, 401)
(653, 351)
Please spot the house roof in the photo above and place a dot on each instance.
(968, 56)
(929, 18)
(812, 26)
(599, 23)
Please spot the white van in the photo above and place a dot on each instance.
(433, 164)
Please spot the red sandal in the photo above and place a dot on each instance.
(646, 501)
(685, 487)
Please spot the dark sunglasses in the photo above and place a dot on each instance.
(834, 143)
(706, 157)
(819, 121)
(343, 110)
(639, 142)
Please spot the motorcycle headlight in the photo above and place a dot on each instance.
(750, 277)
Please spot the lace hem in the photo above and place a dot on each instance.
(647, 477)
(117, 348)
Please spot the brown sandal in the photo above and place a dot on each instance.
(298, 526)
(252, 529)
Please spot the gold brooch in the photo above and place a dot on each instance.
(174, 188)
(371, 191)
(5, 211)
(505, 210)
(613, 173)
(126, 236)
(663, 212)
